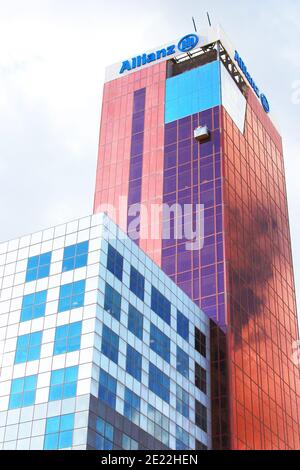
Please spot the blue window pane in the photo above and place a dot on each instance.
(159, 383)
(160, 305)
(28, 398)
(57, 377)
(28, 300)
(70, 390)
(67, 422)
(115, 262)
(28, 347)
(56, 393)
(52, 425)
(65, 439)
(159, 343)
(51, 442)
(71, 374)
(107, 389)
(17, 385)
(182, 362)
(71, 296)
(137, 283)
(182, 326)
(134, 363)
(110, 344)
(75, 256)
(15, 401)
(67, 338)
(135, 322)
(132, 406)
(38, 267)
(112, 302)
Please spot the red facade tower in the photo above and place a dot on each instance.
(243, 276)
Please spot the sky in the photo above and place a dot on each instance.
(52, 59)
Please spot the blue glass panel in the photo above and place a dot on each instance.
(67, 422)
(182, 326)
(192, 92)
(65, 439)
(51, 442)
(56, 393)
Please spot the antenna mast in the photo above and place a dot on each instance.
(195, 27)
(208, 17)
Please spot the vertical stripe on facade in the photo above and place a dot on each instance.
(136, 159)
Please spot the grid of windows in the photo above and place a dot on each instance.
(159, 383)
(200, 378)
(201, 416)
(75, 256)
(28, 347)
(71, 296)
(110, 344)
(134, 363)
(67, 338)
(33, 306)
(115, 262)
(107, 389)
(105, 435)
(63, 383)
(182, 439)
(200, 342)
(182, 362)
(158, 425)
(182, 401)
(112, 302)
(38, 267)
(132, 405)
(182, 326)
(128, 443)
(159, 343)
(160, 305)
(22, 392)
(137, 283)
(59, 432)
(135, 322)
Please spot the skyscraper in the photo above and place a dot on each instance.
(186, 124)
(99, 349)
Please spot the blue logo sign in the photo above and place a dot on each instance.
(265, 103)
(188, 43)
(261, 96)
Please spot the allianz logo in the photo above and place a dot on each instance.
(186, 44)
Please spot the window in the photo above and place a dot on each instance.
(112, 302)
(38, 267)
(33, 306)
(104, 436)
(200, 342)
(67, 338)
(137, 283)
(200, 378)
(160, 305)
(182, 326)
(158, 425)
(159, 383)
(134, 363)
(115, 262)
(75, 256)
(22, 392)
(110, 344)
(71, 296)
(128, 443)
(28, 347)
(135, 322)
(200, 446)
(182, 439)
(63, 383)
(182, 402)
(159, 343)
(132, 406)
(182, 364)
(107, 389)
(59, 432)
(201, 416)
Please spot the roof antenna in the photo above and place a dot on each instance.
(208, 17)
(194, 24)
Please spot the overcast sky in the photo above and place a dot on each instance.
(52, 59)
